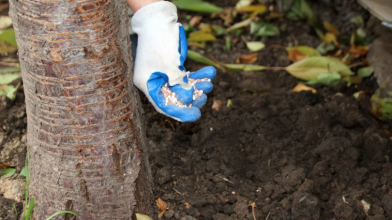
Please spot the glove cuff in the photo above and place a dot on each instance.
(153, 15)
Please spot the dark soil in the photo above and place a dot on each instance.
(292, 155)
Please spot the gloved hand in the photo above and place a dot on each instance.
(159, 65)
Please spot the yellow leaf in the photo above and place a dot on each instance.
(253, 8)
(311, 67)
(331, 28)
(302, 87)
(142, 217)
(330, 37)
(201, 36)
(5, 22)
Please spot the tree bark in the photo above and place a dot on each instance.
(85, 138)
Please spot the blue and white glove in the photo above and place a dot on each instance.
(159, 65)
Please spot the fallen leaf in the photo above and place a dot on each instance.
(301, 52)
(162, 207)
(205, 27)
(253, 8)
(201, 36)
(197, 57)
(263, 29)
(327, 79)
(24, 172)
(216, 105)
(142, 217)
(229, 103)
(381, 104)
(365, 71)
(245, 67)
(358, 20)
(2, 166)
(311, 67)
(330, 37)
(197, 6)
(358, 51)
(6, 48)
(9, 91)
(197, 45)
(302, 87)
(295, 55)
(195, 20)
(218, 30)
(243, 3)
(331, 28)
(8, 78)
(227, 16)
(244, 23)
(5, 22)
(247, 58)
(255, 46)
(324, 48)
(8, 36)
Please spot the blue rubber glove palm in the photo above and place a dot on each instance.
(159, 66)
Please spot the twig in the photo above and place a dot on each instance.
(182, 194)
(269, 213)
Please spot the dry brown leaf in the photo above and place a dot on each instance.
(302, 87)
(5, 166)
(358, 51)
(195, 20)
(247, 58)
(331, 28)
(226, 15)
(295, 55)
(330, 37)
(216, 105)
(162, 207)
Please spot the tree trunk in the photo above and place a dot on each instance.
(86, 142)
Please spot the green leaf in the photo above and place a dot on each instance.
(365, 71)
(255, 46)
(8, 78)
(358, 20)
(10, 171)
(197, 6)
(245, 67)
(10, 70)
(9, 91)
(8, 36)
(324, 47)
(30, 209)
(228, 43)
(24, 172)
(306, 50)
(197, 57)
(327, 79)
(219, 31)
(311, 67)
(142, 217)
(262, 29)
(60, 213)
(381, 104)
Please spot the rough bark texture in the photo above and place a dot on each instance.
(85, 138)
